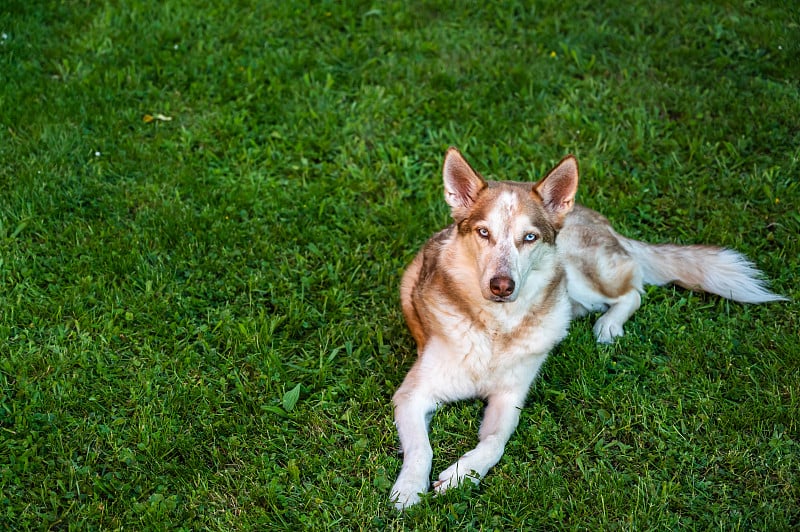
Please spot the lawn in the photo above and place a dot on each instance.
(206, 207)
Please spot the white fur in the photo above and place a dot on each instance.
(459, 364)
(724, 272)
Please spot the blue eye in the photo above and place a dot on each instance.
(483, 232)
(530, 237)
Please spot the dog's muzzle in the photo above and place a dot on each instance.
(502, 287)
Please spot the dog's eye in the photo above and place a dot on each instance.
(483, 232)
(530, 237)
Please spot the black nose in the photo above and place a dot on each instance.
(502, 286)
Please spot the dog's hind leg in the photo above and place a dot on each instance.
(609, 280)
(609, 325)
(499, 422)
(412, 414)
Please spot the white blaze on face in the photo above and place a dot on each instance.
(501, 258)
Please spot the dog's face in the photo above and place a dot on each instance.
(507, 227)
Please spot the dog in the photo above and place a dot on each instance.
(489, 296)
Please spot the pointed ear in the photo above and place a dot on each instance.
(557, 189)
(461, 183)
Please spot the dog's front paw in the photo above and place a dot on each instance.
(453, 476)
(606, 330)
(406, 492)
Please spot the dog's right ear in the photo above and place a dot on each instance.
(461, 183)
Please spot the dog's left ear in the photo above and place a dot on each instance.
(461, 183)
(557, 189)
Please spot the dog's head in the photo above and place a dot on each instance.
(507, 227)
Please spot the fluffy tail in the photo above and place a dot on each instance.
(720, 271)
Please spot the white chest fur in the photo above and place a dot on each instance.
(499, 349)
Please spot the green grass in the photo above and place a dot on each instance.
(199, 321)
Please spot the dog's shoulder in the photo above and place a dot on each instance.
(433, 251)
(585, 230)
(583, 216)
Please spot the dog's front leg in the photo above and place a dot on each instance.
(413, 411)
(499, 421)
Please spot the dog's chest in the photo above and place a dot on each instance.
(492, 352)
(508, 336)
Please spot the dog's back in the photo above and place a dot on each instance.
(607, 271)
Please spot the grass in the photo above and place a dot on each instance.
(205, 209)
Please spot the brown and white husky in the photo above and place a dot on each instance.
(488, 297)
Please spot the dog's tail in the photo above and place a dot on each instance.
(716, 270)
